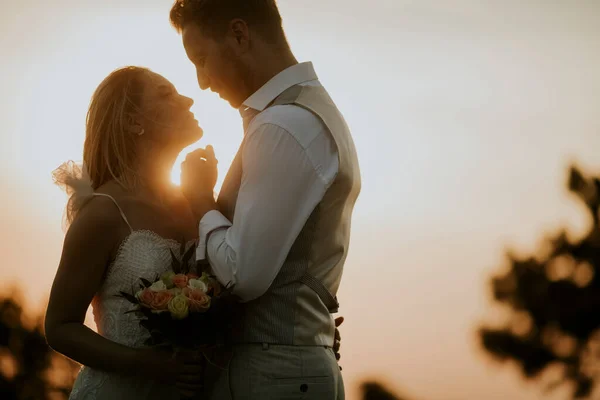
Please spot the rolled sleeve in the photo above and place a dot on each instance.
(212, 221)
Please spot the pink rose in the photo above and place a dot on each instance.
(146, 297)
(161, 300)
(199, 301)
(180, 281)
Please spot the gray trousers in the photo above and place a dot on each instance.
(273, 372)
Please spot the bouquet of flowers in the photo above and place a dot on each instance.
(183, 308)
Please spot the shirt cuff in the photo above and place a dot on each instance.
(211, 221)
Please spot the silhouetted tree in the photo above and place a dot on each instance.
(29, 369)
(376, 391)
(554, 301)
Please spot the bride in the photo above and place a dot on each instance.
(125, 216)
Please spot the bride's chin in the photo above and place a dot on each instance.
(189, 138)
(197, 133)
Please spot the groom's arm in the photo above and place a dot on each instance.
(282, 182)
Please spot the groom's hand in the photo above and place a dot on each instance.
(198, 179)
(337, 339)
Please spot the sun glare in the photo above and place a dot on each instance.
(58, 95)
(176, 171)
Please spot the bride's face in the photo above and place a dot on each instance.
(165, 114)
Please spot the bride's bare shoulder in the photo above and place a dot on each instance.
(101, 214)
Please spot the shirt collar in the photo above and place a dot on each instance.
(287, 78)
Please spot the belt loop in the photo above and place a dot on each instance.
(265, 346)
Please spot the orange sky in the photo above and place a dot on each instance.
(465, 113)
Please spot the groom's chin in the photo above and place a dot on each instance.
(233, 100)
(234, 103)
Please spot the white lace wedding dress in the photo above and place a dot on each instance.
(142, 254)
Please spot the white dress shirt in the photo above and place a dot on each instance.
(289, 161)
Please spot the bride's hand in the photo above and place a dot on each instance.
(190, 373)
(198, 179)
(199, 171)
(183, 369)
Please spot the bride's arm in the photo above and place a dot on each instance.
(88, 248)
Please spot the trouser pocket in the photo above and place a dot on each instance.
(306, 388)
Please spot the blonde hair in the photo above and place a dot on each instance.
(109, 151)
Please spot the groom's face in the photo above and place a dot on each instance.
(217, 67)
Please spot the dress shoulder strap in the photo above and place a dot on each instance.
(119, 207)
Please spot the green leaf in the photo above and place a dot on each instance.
(202, 266)
(188, 256)
(132, 311)
(175, 263)
(146, 282)
(182, 247)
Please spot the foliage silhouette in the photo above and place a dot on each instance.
(554, 302)
(29, 369)
(376, 391)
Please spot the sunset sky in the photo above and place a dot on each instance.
(465, 113)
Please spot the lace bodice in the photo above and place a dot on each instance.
(142, 254)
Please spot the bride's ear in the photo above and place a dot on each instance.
(133, 126)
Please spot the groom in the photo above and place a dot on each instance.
(281, 226)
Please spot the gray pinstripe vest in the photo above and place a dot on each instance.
(296, 309)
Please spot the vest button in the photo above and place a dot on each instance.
(304, 388)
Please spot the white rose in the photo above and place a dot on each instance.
(198, 284)
(158, 286)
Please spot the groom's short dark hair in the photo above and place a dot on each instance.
(213, 17)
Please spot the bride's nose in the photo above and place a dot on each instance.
(188, 102)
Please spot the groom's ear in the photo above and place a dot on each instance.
(240, 34)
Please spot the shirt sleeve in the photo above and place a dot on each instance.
(279, 190)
